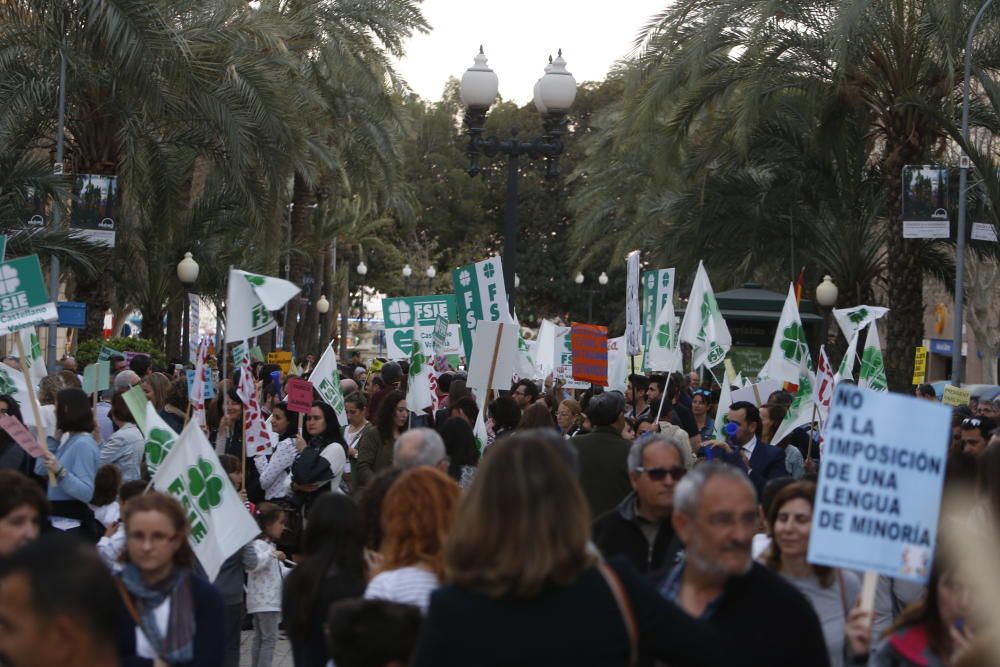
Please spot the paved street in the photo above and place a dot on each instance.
(282, 652)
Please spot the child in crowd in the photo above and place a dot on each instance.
(264, 584)
(234, 468)
(112, 544)
(104, 503)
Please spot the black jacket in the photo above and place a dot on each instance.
(603, 471)
(618, 533)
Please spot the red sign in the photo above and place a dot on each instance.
(298, 395)
(590, 354)
(21, 435)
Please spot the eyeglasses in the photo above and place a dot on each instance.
(660, 474)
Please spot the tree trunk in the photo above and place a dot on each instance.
(175, 313)
(905, 274)
(303, 197)
(982, 280)
(97, 295)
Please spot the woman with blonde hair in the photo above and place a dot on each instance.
(156, 386)
(524, 587)
(416, 515)
(569, 418)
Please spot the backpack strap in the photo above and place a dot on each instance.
(624, 608)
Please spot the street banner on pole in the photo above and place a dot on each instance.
(925, 202)
(480, 296)
(880, 482)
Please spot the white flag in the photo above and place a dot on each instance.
(703, 326)
(851, 321)
(722, 413)
(663, 350)
(13, 384)
(249, 302)
(618, 363)
(33, 364)
(420, 392)
(220, 523)
(825, 383)
(800, 412)
(633, 327)
(790, 349)
(872, 374)
(544, 358)
(257, 435)
(197, 397)
(325, 378)
(479, 431)
(160, 438)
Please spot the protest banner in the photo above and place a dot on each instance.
(494, 356)
(955, 396)
(633, 327)
(590, 353)
(401, 314)
(256, 434)
(24, 301)
(920, 365)
(326, 379)
(21, 435)
(562, 343)
(299, 395)
(421, 389)
(657, 291)
(220, 523)
(209, 383)
(618, 363)
(480, 296)
(256, 354)
(880, 482)
(96, 377)
(441, 335)
(106, 353)
(129, 356)
(239, 351)
(283, 358)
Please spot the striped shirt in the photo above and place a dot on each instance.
(407, 585)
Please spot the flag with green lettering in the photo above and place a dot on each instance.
(33, 363)
(703, 327)
(481, 296)
(250, 300)
(326, 380)
(219, 522)
(663, 349)
(420, 393)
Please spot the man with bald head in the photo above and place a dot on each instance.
(420, 447)
(348, 387)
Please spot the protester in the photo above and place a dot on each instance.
(536, 415)
(416, 515)
(832, 592)
(976, 434)
(762, 540)
(357, 424)
(174, 411)
(229, 437)
(320, 464)
(126, 446)
(74, 463)
(926, 392)
(523, 587)
(461, 449)
(771, 417)
(568, 418)
(55, 615)
(173, 615)
(761, 461)
(375, 447)
(502, 417)
(419, 447)
(465, 408)
(332, 568)
(635, 396)
(639, 529)
(12, 455)
(673, 411)
(112, 543)
(391, 376)
(525, 393)
(274, 469)
(264, 584)
(372, 633)
(104, 503)
(700, 398)
(23, 507)
(715, 514)
(156, 386)
(603, 454)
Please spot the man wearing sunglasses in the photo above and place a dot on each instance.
(639, 528)
(976, 434)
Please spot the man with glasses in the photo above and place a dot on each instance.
(524, 393)
(976, 434)
(715, 516)
(639, 528)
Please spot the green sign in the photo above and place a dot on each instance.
(401, 314)
(440, 334)
(749, 360)
(239, 351)
(256, 354)
(24, 300)
(657, 289)
(480, 296)
(96, 377)
(106, 353)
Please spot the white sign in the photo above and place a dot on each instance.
(494, 356)
(925, 229)
(984, 231)
(880, 483)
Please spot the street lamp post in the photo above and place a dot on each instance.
(407, 272)
(187, 273)
(322, 307)
(826, 297)
(431, 272)
(553, 96)
(963, 178)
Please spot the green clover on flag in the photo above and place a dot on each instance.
(873, 368)
(802, 395)
(793, 342)
(7, 385)
(158, 445)
(416, 359)
(663, 335)
(858, 316)
(205, 486)
(255, 280)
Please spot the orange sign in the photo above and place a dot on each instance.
(590, 353)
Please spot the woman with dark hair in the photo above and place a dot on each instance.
(536, 415)
(357, 425)
(12, 455)
(332, 568)
(175, 404)
(319, 465)
(460, 445)
(370, 500)
(833, 593)
(74, 463)
(502, 417)
(173, 616)
(274, 469)
(126, 446)
(375, 447)
(524, 586)
(771, 416)
(22, 508)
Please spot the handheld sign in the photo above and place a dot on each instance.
(590, 353)
(21, 435)
(106, 353)
(24, 300)
(494, 356)
(281, 357)
(97, 377)
(955, 396)
(920, 365)
(299, 396)
(880, 481)
(209, 383)
(440, 334)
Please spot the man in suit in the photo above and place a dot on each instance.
(763, 462)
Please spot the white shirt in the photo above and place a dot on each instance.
(161, 615)
(334, 453)
(407, 585)
(750, 446)
(275, 478)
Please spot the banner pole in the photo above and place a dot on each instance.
(35, 410)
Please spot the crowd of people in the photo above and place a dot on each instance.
(592, 527)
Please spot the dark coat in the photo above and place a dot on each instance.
(617, 533)
(208, 629)
(374, 455)
(766, 463)
(575, 625)
(603, 456)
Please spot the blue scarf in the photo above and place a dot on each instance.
(176, 645)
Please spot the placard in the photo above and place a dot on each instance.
(401, 314)
(590, 353)
(281, 357)
(494, 356)
(299, 395)
(209, 382)
(21, 435)
(956, 396)
(480, 296)
(96, 377)
(24, 301)
(880, 482)
(920, 365)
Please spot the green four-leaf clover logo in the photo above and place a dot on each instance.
(793, 342)
(873, 368)
(663, 335)
(858, 316)
(158, 445)
(205, 486)
(255, 280)
(7, 384)
(416, 359)
(803, 394)
(488, 269)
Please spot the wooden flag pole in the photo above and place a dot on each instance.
(35, 410)
(243, 418)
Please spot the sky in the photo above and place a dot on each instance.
(518, 36)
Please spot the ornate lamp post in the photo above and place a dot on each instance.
(187, 273)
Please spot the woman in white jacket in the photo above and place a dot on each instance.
(264, 584)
